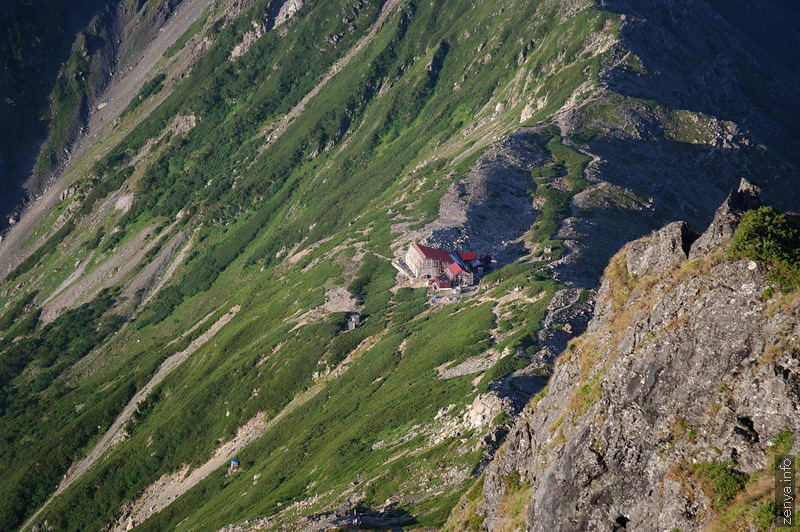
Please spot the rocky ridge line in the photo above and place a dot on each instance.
(686, 363)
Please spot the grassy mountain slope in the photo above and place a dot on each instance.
(279, 181)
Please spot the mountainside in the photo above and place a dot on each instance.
(57, 64)
(221, 187)
(669, 411)
(35, 39)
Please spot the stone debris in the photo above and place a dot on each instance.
(489, 210)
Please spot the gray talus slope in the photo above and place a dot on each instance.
(120, 65)
(686, 371)
(35, 38)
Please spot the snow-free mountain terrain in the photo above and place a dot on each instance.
(208, 322)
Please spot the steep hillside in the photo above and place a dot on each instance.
(669, 411)
(692, 98)
(252, 176)
(35, 38)
(61, 67)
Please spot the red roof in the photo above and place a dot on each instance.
(435, 254)
(467, 256)
(455, 269)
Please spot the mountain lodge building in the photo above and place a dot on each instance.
(445, 270)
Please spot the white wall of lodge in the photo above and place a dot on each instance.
(421, 266)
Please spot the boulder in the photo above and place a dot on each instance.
(662, 250)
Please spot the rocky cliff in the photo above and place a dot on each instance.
(667, 412)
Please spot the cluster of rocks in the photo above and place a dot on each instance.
(490, 209)
(695, 372)
(567, 315)
(277, 13)
(347, 516)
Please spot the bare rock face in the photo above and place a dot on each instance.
(490, 209)
(484, 409)
(691, 365)
(662, 250)
(727, 219)
(278, 12)
(287, 11)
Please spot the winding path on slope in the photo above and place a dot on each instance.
(168, 488)
(117, 430)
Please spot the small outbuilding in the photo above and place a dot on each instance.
(441, 282)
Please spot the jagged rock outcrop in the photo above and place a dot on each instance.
(664, 249)
(687, 368)
(287, 11)
(277, 13)
(727, 218)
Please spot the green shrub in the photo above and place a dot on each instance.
(721, 482)
(93, 242)
(781, 444)
(346, 342)
(45, 249)
(161, 307)
(15, 311)
(153, 86)
(766, 235)
(113, 172)
(505, 366)
(503, 419)
(62, 342)
(175, 47)
(764, 516)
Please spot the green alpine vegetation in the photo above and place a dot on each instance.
(768, 236)
(280, 223)
(208, 318)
